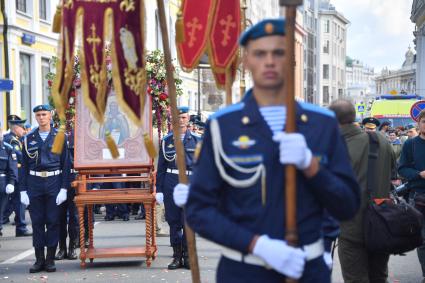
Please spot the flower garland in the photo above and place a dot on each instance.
(156, 88)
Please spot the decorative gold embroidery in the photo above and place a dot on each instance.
(68, 4)
(95, 73)
(227, 24)
(134, 77)
(127, 5)
(193, 25)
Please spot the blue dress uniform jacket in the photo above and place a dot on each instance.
(166, 181)
(8, 171)
(232, 216)
(42, 190)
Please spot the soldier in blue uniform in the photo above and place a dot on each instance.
(68, 218)
(8, 173)
(237, 192)
(14, 137)
(45, 179)
(167, 179)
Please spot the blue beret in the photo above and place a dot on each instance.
(263, 28)
(41, 107)
(15, 120)
(27, 125)
(183, 109)
(410, 126)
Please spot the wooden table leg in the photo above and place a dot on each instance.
(148, 209)
(153, 229)
(91, 224)
(80, 209)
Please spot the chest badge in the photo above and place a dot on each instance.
(33, 143)
(244, 142)
(170, 145)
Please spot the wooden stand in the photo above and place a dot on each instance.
(88, 198)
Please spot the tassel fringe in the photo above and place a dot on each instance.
(57, 20)
(180, 38)
(112, 145)
(150, 148)
(59, 140)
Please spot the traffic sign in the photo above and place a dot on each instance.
(6, 85)
(361, 108)
(416, 109)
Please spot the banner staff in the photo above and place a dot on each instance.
(181, 164)
(290, 171)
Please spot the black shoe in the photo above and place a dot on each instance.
(134, 212)
(125, 218)
(140, 217)
(23, 234)
(50, 260)
(109, 218)
(72, 254)
(186, 262)
(39, 261)
(87, 243)
(177, 258)
(61, 253)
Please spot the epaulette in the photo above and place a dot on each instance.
(317, 109)
(167, 136)
(229, 109)
(32, 131)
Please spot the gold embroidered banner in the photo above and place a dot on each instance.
(94, 24)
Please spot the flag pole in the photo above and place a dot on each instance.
(180, 159)
(291, 235)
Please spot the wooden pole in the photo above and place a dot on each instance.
(229, 83)
(180, 159)
(242, 82)
(289, 75)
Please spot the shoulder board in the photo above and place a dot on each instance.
(167, 136)
(317, 109)
(230, 109)
(32, 131)
(8, 146)
(195, 135)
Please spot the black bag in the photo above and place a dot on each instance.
(392, 226)
(420, 203)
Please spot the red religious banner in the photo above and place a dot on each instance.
(224, 35)
(120, 24)
(197, 18)
(220, 78)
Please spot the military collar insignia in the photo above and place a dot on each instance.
(33, 142)
(244, 142)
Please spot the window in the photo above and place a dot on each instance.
(326, 71)
(43, 9)
(326, 47)
(25, 80)
(325, 95)
(21, 5)
(45, 69)
(327, 24)
(333, 72)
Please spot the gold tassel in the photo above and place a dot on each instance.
(57, 20)
(180, 38)
(112, 145)
(59, 140)
(150, 148)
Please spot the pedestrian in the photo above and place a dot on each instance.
(395, 143)
(370, 124)
(8, 172)
(411, 131)
(412, 168)
(237, 192)
(384, 128)
(68, 218)
(357, 263)
(167, 179)
(45, 179)
(14, 137)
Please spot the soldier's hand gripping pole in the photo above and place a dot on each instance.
(180, 159)
(289, 77)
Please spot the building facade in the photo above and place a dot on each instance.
(31, 45)
(332, 54)
(418, 17)
(398, 81)
(360, 80)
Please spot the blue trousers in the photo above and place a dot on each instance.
(45, 220)
(68, 219)
(315, 271)
(173, 214)
(3, 203)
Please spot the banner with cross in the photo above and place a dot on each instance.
(118, 24)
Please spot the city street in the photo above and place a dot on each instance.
(16, 256)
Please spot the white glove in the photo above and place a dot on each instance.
(284, 259)
(24, 198)
(293, 150)
(10, 189)
(327, 257)
(61, 197)
(181, 194)
(159, 198)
